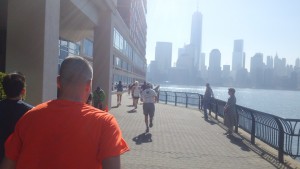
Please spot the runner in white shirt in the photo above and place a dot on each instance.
(149, 98)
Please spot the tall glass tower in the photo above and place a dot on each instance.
(196, 37)
(238, 55)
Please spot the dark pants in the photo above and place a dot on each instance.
(206, 105)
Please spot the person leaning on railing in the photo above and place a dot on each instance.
(208, 96)
(229, 112)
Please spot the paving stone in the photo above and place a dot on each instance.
(180, 139)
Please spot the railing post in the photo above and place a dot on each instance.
(199, 104)
(280, 140)
(252, 129)
(166, 97)
(175, 99)
(186, 100)
(210, 107)
(237, 121)
(217, 109)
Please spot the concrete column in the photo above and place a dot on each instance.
(32, 45)
(102, 55)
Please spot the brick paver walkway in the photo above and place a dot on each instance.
(181, 139)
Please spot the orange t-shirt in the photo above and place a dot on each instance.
(62, 134)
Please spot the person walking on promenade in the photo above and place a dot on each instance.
(136, 90)
(66, 133)
(98, 98)
(129, 88)
(149, 97)
(144, 86)
(12, 108)
(230, 112)
(119, 93)
(207, 98)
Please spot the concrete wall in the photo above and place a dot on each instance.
(32, 45)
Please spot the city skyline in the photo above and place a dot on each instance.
(267, 27)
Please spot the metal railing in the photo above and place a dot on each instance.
(279, 133)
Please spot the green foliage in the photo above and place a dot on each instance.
(2, 95)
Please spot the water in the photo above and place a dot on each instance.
(282, 103)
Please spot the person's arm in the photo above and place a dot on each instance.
(111, 163)
(8, 164)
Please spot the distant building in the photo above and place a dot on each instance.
(214, 68)
(196, 38)
(163, 57)
(279, 66)
(184, 62)
(270, 62)
(238, 55)
(297, 63)
(257, 70)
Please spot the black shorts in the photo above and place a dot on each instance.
(149, 109)
(136, 97)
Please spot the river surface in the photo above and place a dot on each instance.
(282, 103)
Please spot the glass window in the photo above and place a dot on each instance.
(88, 48)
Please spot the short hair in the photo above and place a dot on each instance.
(75, 70)
(232, 90)
(13, 84)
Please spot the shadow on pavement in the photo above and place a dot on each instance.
(132, 111)
(245, 145)
(142, 138)
(210, 121)
(239, 142)
(130, 105)
(113, 107)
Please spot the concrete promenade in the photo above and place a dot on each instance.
(182, 139)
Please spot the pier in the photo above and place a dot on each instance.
(182, 139)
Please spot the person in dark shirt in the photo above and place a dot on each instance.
(12, 108)
(119, 93)
(144, 86)
(207, 99)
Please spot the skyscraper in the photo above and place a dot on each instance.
(163, 57)
(214, 69)
(238, 55)
(256, 70)
(270, 62)
(196, 37)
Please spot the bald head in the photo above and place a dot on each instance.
(75, 70)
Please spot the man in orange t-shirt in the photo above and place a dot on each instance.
(66, 133)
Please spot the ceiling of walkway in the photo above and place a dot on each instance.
(74, 24)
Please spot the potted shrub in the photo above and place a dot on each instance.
(2, 95)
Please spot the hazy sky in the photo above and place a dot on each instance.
(266, 26)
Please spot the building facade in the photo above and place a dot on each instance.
(44, 32)
(163, 57)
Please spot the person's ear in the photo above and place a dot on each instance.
(88, 86)
(23, 92)
(58, 82)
